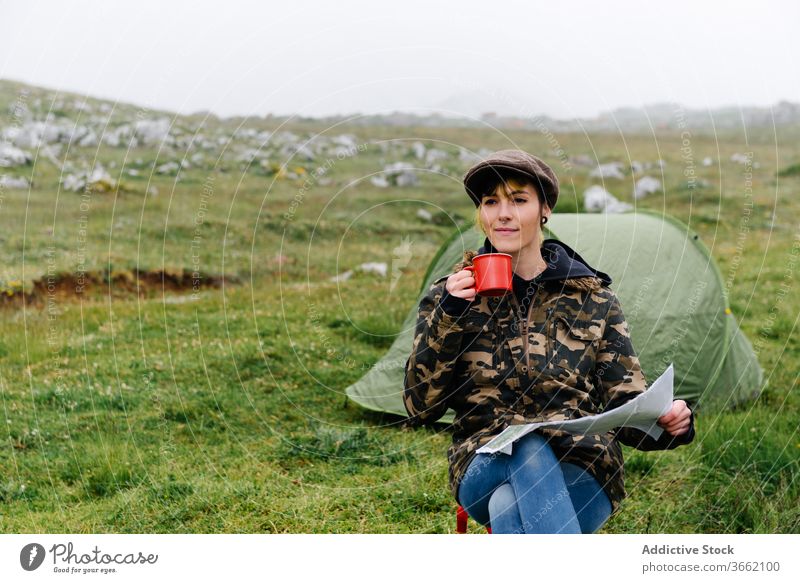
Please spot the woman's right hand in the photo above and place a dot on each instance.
(461, 285)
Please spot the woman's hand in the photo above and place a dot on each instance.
(677, 420)
(461, 285)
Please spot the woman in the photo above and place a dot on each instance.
(556, 348)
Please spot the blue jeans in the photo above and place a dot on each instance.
(530, 491)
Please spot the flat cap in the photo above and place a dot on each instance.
(505, 163)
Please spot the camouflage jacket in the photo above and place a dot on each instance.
(570, 357)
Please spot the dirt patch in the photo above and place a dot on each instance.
(145, 283)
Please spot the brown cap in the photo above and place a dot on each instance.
(505, 163)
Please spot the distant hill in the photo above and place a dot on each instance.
(18, 100)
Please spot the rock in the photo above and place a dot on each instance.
(299, 151)
(646, 185)
(111, 139)
(379, 268)
(98, 180)
(120, 136)
(595, 199)
(13, 182)
(610, 170)
(11, 156)
(419, 150)
(424, 215)
(168, 168)
(598, 199)
(250, 155)
(434, 155)
(342, 276)
(400, 174)
(89, 140)
(467, 157)
(342, 152)
(151, 132)
(348, 141)
(379, 181)
(26, 136)
(99, 174)
(406, 179)
(73, 182)
(637, 167)
(582, 160)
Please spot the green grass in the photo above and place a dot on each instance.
(792, 170)
(225, 412)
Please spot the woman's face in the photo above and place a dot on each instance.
(513, 223)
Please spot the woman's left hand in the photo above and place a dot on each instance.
(677, 420)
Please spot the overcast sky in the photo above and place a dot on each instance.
(460, 58)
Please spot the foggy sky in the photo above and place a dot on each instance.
(563, 59)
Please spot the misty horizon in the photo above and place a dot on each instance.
(316, 60)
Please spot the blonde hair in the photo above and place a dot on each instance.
(503, 189)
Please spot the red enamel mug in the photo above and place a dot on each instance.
(493, 276)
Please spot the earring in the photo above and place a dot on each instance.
(544, 220)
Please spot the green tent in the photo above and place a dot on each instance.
(671, 293)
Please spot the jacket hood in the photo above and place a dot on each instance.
(563, 262)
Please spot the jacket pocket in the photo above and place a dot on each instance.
(477, 323)
(574, 343)
(478, 361)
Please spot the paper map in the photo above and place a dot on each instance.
(641, 413)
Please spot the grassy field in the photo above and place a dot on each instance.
(221, 408)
